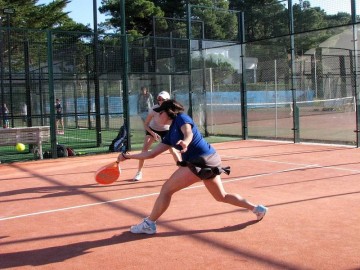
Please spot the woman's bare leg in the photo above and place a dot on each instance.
(216, 188)
(180, 179)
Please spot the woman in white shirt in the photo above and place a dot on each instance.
(155, 132)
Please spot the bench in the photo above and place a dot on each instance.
(26, 135)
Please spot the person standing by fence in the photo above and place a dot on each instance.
(59, 117)
(145, 103)
(23, 111)
(5, 113)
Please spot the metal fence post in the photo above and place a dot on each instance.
(296, 122)
(96, 79)
(125, 82)
(244, 116)
(355, 71)
(188, 36)
(51, 93)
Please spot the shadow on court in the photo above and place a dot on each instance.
(62, 253)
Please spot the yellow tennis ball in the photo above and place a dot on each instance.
(20, 147)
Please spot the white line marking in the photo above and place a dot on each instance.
(267, 160)
(78, 206)
(290, 163)
(144, 195)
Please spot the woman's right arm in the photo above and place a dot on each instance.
(160, 148)
(188, 136)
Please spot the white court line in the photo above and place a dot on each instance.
(144, 195)
(267, 160)
(77, 206)
(290, 163)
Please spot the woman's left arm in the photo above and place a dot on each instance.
(188, 136)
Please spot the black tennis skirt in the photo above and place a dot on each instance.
(206, 167)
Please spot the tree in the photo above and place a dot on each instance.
(172, 8)
(264, 18)
(139, 15)
(341, 18)
(222, 69)
(219, 22)
(32, 16)
(26, 39)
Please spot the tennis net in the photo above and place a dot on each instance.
(225, 113)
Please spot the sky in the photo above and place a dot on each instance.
(81, 11)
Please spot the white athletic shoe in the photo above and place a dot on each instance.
(146, 226)
(260, 211)
(138, 176)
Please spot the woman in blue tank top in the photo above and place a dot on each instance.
(200, 161)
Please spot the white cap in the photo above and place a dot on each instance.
(165, 95)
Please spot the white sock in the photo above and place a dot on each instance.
(150, 221)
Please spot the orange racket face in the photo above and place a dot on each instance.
(108, 174)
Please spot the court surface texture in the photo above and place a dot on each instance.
(53, 214)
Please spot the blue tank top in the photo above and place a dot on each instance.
(198, 146)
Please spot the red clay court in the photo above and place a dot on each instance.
(54, 216)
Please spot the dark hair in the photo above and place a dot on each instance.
(171, 107)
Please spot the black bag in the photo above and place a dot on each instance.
(61, 150)
(119, 143)
(47, 154)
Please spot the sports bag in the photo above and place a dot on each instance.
(119, 143)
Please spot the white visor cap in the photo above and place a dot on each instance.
(164, 95)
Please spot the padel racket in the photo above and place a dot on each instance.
(108, 174)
